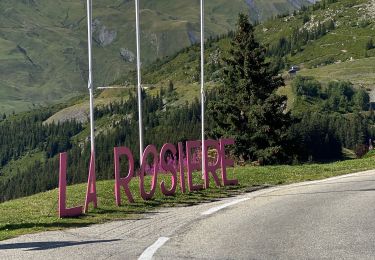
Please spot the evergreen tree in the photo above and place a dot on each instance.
(370, 44)
(361, 100)
(170, 87)
(247, 107)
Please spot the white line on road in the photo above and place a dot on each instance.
(151, 250)
(271, 190)
(215, 209)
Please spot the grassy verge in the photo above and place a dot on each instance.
(38, 213)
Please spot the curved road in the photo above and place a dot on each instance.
(329, 219)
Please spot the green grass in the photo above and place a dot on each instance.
(288, 92)
(348, 40)
(360, 72)
(370, 154)
(38, 212)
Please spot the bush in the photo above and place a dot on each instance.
(361, 150)
(306, 86)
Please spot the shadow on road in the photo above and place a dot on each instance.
(36, 246)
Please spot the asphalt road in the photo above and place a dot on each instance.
(330, 219)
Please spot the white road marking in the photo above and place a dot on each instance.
(215, 209)
(151, 250)
(290, 186)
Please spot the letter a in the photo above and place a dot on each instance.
(91, 185)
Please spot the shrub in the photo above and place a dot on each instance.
(361, 150)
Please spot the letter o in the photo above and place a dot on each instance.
(151, 149)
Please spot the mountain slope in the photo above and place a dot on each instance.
(344, 45)
(354, 27)
(43, 43)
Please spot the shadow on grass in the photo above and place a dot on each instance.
(119, 211)
(200, 197)
(37, 246)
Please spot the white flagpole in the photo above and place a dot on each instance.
(202, 84)
(140, 121)
(90, 82)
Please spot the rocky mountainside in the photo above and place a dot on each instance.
(43, 42)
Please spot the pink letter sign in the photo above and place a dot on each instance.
(226, 162)
(168, 167)
(63, 211)
(211, 168)
(124, 182)
(91, 185)
(151, 149)
(181, 165)
(192, 166)
(192, 162)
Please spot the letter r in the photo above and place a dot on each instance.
(124, 182)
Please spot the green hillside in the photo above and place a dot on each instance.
(332, 41)
(353, 29)
(360, 72)
(43, 43)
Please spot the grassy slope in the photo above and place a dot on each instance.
(345, 46)
(38, 212)
(347, 40)
(360, 72)
(354, 28)
(52, 64)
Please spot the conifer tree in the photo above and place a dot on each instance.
(247, 107)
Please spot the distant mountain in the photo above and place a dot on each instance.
(43, 43)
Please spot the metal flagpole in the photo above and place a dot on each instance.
(91, 183)
(139, 80)
(202, 84)
(90, 82)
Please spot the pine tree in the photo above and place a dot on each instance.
(370, 44)
(170, 86)
(247, 107)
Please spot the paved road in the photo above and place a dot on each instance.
(330, 219)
